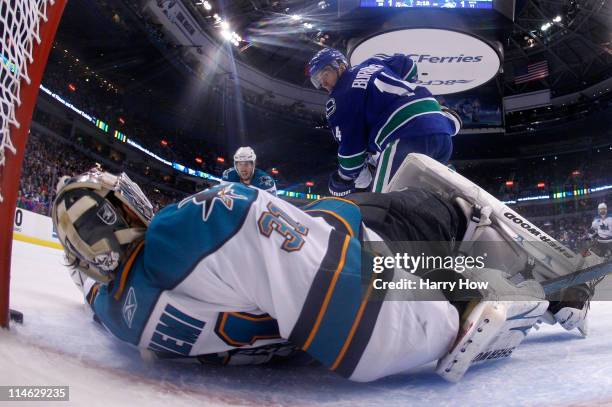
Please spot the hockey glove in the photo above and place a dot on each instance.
(453, 115)
(339, 186)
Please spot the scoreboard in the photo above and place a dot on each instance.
(461, 4)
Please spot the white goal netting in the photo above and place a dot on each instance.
(19, 22)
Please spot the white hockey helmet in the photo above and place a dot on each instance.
(602, 206)
(91, 224)
(244, 154)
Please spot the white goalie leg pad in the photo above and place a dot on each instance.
(491, 331)
(491, 220)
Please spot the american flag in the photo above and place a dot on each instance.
(531, 72)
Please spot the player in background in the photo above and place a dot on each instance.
(601, 231)
(572, 312)
(374, 110)
(233, 275)
(246, 173)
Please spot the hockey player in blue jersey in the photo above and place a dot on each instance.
(245, 171)
(233, 275)
(373, 109)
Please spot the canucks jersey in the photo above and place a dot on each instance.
(234, 269)
(259, 180)
(374, 103)
(602, 228)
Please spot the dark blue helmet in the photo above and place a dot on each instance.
(326, 57)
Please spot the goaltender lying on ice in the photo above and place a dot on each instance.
(232, 275)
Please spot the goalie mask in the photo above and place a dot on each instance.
(93, 224)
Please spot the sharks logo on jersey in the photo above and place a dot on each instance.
(266, 181)
(225, 195)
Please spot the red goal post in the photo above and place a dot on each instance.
(28, 28)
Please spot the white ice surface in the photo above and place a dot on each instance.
(59, 344)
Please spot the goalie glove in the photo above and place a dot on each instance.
(339, 186)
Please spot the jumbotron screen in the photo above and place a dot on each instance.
(467, 4)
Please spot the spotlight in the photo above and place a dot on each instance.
(308, 25)
(226, 35)
(225, 25)
(557, 19)
(296, 17)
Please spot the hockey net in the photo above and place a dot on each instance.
(28, 28)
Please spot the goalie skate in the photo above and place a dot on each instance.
(490, 331)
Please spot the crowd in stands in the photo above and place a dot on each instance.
(93, 94)
(527, 177)
(47, 160)
(572, 231)
(43, 164)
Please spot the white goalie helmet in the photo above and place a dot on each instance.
(92, 224)
(602, 206)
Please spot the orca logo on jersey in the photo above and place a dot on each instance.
(330, 107)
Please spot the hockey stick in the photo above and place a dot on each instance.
(578, 277)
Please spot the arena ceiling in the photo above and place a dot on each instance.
(115, 39)
(279, 36)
